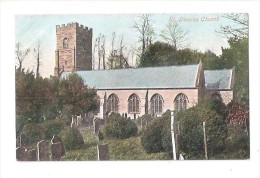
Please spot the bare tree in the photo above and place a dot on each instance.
(239, 27)
(118, 58)
(37, 56)
(103, 50)
(145, 30)
(99, 50)
(174, 35)
(20, 54)
(94, 52)
(112, 54)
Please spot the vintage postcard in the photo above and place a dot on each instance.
(132, 86)
(107, 87)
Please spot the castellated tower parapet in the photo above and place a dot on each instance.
(73, 48)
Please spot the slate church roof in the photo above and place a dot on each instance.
(184, 76)
(218, 79)
(141, 78)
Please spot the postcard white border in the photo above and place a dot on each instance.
(11, 168)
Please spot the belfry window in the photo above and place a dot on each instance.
(133, 104)
(156, 104)
(181, 102)
(65, 43)
(112, 103)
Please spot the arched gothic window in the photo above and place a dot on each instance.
(112, 103)
(181, 102)
(156, 104)
(133, 104)
(65, 43)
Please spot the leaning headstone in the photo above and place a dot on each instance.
(56, 139)
(32, 155)
(96, 125)
(102, 152)
(56, 151)
(43, 151)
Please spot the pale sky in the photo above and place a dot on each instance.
(29, 29)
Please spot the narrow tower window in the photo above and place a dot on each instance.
(65, 43)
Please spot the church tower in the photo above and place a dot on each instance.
(73, 48)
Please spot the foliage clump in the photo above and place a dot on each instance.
(153, 139)
(71, 138)
(120, 127)
(52, 127)
(32, 133)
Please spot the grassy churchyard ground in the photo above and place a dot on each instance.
(119, 149)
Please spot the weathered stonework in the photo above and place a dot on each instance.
(76, 52)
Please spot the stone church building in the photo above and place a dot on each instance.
(138, 91)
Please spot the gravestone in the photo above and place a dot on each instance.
(79, 120)
(56, 151)
(73, 122)
(32, 155)
(96, 125)
(102, 152)
(43, 151)
(21, 154)
(56, 139)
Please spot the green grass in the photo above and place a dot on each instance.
(131, 149)
(119, 149)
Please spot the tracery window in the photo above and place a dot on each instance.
(65, 43)
(133, 104)
(112, 103)
(181, 102)
(156, 104)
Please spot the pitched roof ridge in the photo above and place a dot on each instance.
(219, 69)
(139, 68)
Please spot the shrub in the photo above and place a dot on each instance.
(191, 136)
(119, 127)
(216, 105)
(151, 139)
(71, 138)
(32, 133)
(53, 127)
(166, 136)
